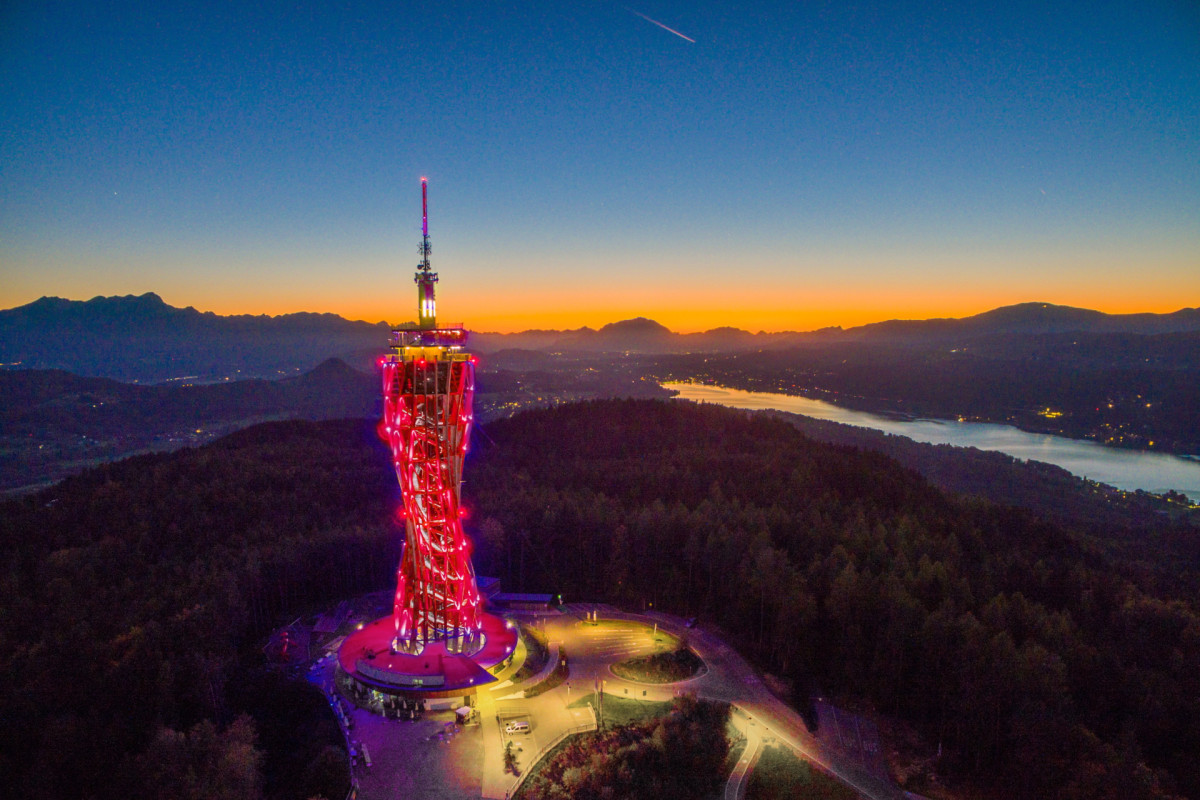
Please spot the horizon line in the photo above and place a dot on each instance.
(687, 330)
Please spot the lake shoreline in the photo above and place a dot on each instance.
(879, 408)
(1126, 469)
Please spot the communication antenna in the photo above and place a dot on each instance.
(425, 248)
(425, 277)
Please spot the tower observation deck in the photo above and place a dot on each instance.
(438, 640)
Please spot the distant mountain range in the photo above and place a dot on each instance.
(639, 335)
(144, 339)
(1034, 318)
(646, 336)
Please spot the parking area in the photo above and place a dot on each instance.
(515, 721)
(434, 755)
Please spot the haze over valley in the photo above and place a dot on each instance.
(91, 381)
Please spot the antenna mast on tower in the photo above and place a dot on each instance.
(425, 277)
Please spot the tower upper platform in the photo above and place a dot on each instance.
(451, 338)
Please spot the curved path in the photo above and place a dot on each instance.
(592, 649)
(736, 787)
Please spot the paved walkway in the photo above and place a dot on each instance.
(735, 789)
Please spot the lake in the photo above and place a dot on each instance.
(1124, 469)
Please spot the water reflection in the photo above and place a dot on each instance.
(1125, 469)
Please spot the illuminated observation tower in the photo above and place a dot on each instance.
(438, 642)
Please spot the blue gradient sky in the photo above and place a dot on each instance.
(799, 165)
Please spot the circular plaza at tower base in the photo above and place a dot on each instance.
(366, 657)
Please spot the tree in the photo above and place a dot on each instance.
(203, 764)
(510, 758)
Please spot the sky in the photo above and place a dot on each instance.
(773, 166)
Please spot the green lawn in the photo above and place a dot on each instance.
(780, 775)
(623, 710)
(668, 667)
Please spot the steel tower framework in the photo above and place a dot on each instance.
(428, 386)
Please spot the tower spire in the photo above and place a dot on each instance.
(425, 277)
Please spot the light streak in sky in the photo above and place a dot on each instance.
(659, 24)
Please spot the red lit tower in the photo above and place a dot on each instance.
(428, 383)
(438, 640)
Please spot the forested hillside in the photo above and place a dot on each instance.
(133, 597)
(1042, 662)
(53, 423)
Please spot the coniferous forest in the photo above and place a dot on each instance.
(1044, 659)
(135, 596)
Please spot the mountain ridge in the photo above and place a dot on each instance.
(142, 338)
(1042, 318)
(642, 335)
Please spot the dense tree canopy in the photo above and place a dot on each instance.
(1044, 658)
(131, 594)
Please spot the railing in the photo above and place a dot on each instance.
(546, 749)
